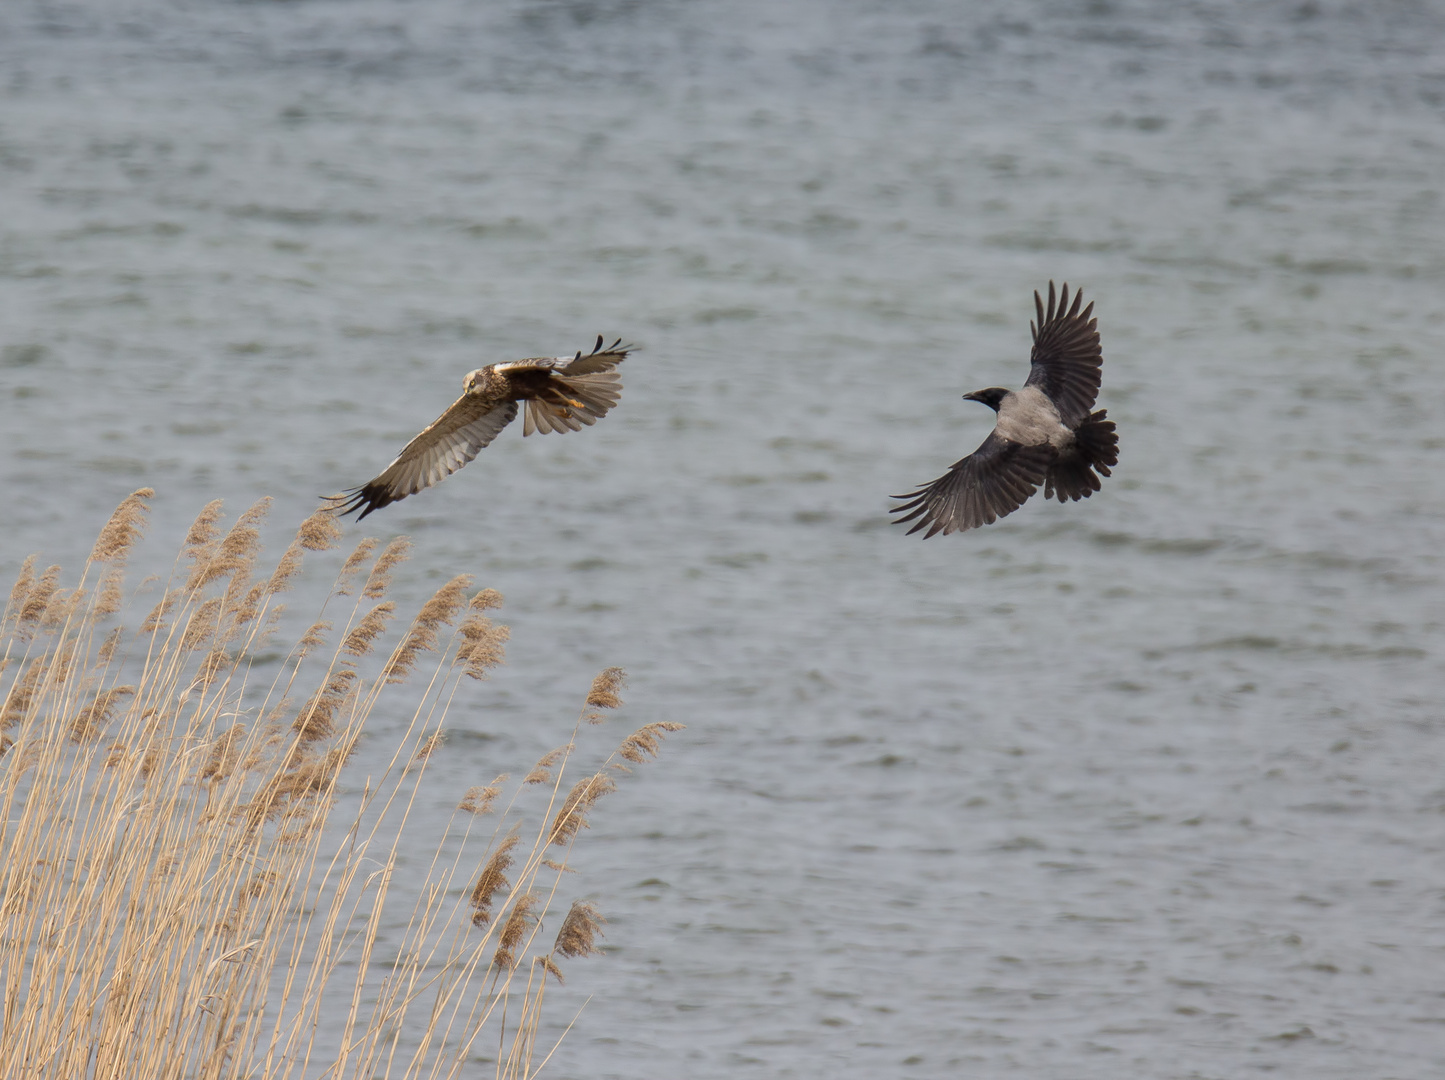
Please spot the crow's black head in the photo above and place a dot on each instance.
(990, 397)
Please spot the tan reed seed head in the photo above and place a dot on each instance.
(123, 529)
(358, 641)
(37, 600)
(580, 930)
(203, 531)
(107, 647)
(428, 746)
(22, 692)
(513, 931)
(645, 742)
(483, 645)
(63, 603)
(316, 720)
(542, 771)
(286, 569)
(576, 807)
(154, 621)
(441, 609)
(605, 688)
(492, 880)
(112, 594)
(201, 626)
(314, 637)
(248, 607)
(90, 720)
(379, 580)
(21, 589)
(211, 665)
(225, 752)
(478, 800)
(237, 552)
(319, 532)
(485, 600)
(353, 563)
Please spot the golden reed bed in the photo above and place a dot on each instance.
(174, 901)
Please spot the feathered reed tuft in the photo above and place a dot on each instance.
(485, 600)
(319, 532)
(483, 645)
(201, 625)
(315, 636)
(428, 746)
(358, 641)
(513, 931)
(123, 529)
(153, 621)
(39, 596)
(22, 693)
(112, 594)
(316, 720)
(225, 752)
(353, 564)
(579, 802)
(235, 554)
(91, 719)
(604, 692)
(492, 880)
(379, 580)
(286, 569)
(21, 589)
(203, 531)
(478, 800)
(580, 930)
(542, 771)
(422, 637)
(107, 647)
(646, 741)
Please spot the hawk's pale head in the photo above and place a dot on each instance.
(482, 381)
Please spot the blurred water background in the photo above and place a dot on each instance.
(1144, 786)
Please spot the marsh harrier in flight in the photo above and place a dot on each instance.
(1045, 434)
(562, 393)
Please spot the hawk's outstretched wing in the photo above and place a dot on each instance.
(456, 437)
(573, 390)
(992, 481)
(1066, 359)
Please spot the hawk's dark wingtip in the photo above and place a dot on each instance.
(366, 499)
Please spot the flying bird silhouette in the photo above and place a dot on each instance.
(1044, 435)
(562, 393)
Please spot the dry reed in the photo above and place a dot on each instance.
(175, 898)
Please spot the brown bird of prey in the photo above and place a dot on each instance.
(562, 393)
(1045, 434)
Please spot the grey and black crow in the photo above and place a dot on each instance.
(1045, 434)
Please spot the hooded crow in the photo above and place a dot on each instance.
(1044, 435)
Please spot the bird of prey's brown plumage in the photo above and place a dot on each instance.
(1045, 434)
(562, 393)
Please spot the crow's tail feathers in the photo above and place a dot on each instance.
(1095, 449)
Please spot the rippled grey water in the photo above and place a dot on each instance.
(1145, 786)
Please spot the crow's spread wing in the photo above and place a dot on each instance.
(456, 437)
(1067, 361)
(992, 481)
